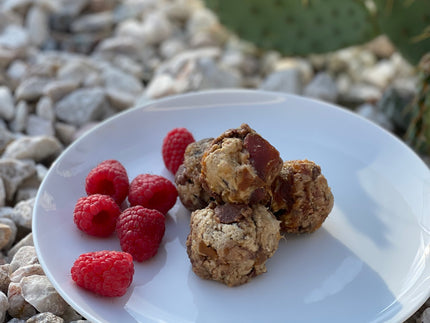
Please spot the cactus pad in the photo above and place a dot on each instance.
(406, 23)
(297, 27)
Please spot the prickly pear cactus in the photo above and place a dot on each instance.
(418, 134)
(407, 24)
(297, 27)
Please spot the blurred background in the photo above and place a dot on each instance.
(66, 65)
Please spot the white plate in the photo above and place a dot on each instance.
(368, 263)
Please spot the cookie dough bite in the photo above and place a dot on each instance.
(187, 178)
(231, 243)
(240, 167)
(302, 199)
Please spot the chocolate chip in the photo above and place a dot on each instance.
(230, 213)
(263, 156)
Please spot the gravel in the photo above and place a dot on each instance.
(67, 65)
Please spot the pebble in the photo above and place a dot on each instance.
(7, 107)
(287, 81)
(4, 305)
(39, 292)
(322, 87)
(81, 106)
(67, 65)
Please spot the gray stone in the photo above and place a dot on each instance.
(118, 80)
(16, 71)
(322, 87)
(57, 89)
(37, 25)
(19, 122)
(5, 234)
(14, 172)
(215, 77)
(96, 22)
(72, 8)
(425, 316)
(120, 100)
(172, 47)
(22, 213)
(39, 292)
(361, 92)
(45, 109)
(17, 5)
(4, 305)
(288, 81)
(156, 28)
(31, 88)
(37, 126)
(121, 46)
(129, 66)
(81, 106)
(7, 106)
(5, 138)
(76, 70)
(37, 148)
(4, 277)
(374, 114)
(14, 37)
(380, 74)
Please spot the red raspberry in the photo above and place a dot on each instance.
(152, 192)
(96, 215)
(109, 178)
(173, 149)
(140, 231)
(107, 273)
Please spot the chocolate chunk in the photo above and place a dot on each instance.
(263, 156)
(230, 213)
(207, 251)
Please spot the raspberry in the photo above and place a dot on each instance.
(140, 231)
(152, 192)
(96, 215)
(109, 178)
(173, 149)
(107, 273)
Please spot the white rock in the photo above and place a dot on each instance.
(215, 77)
(129, 66)
(57, 89)
(81, 106)
(31, 88)
(14, 172)
(14, 37)
(172, 47)
(23, 213)
(12, 227)
(16, 71)
(19, 122)
(322, 87)
(37, 148)
(301, 64)
(72, 8)
(45, 109)
(156, 28)
(361, 92)
(201, 19)
(45, 317)
(131, 28)
(37, 126)
(16, 5)
(118, 80)
(4, 306)
(7, 106)
(37, 25)
(161, 85)
(39, 292)
(124, 45)
(102, 21)
(288, 81)
(18, 306)
(25, 256)
(25, 271)
(119, 99)
(76, 71)
(380, 75)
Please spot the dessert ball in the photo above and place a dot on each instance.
(231, 243)
(187, 178)
(240, 166)
(302, 199)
